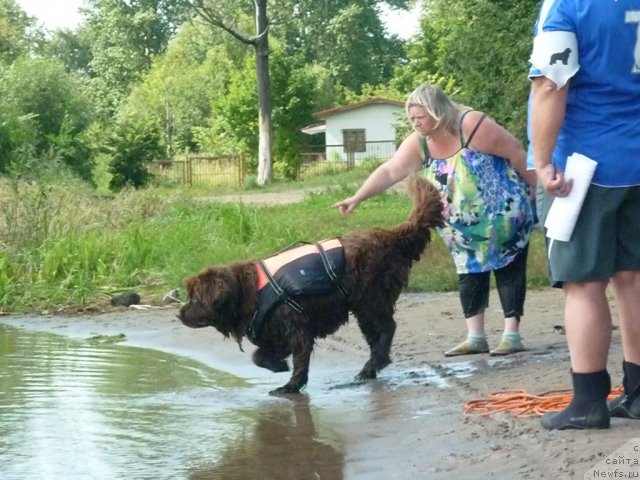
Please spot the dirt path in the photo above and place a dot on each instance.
(289, 196)
(273, 198)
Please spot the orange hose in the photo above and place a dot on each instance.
(522, 403)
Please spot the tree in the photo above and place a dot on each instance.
(481, 46)
(346, 37)
(132, 144)
(71, 47)
(223, 18)
(348, 31)
(125, 38)
(177, 93)
(295, 92)
(45, 112)
(18, 33)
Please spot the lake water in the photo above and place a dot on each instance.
(81, 409)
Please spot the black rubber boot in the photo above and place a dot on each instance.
(588, 408)
(627, 405)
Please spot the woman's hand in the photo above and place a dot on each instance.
(347, 205)
(531, 178)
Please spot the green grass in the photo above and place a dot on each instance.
(61, 246)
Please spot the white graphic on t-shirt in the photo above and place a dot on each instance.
(555, 55)
(633, 16)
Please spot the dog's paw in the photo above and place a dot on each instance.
(366, 374)
(285, 390)
(368, 371)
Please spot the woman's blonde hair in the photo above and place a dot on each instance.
(437, 104)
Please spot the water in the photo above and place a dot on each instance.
(73, 409)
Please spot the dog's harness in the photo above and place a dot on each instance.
(310, 269)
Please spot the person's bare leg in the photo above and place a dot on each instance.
(510, 341)
(512, 325)
(588, 325)
(511, 284)
(588, 328)
(475, 325)
(476, 341)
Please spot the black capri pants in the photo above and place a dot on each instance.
(511, 283)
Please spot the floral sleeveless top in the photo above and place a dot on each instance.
(488, 214)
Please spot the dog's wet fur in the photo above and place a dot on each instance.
(378, 262)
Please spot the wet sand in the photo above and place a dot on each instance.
(409, 423)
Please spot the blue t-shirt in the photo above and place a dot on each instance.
(602, 119)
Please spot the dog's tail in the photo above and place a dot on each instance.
(427, 207)
(415, 233)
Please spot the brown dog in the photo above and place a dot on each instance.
(375, 264)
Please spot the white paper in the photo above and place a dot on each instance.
(564, 211)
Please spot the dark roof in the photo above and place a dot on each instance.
(370, 101)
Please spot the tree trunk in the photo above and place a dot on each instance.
(265, 161)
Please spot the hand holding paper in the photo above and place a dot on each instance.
(564, 211)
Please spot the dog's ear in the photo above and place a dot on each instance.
(211, 288)
(225, 290)
(190, 284)
(217, 293)
(198, 291)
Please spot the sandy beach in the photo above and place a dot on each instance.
(419, 429)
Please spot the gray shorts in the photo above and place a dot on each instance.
(606, 238)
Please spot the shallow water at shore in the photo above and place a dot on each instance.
(73, 408)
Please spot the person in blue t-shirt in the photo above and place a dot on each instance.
(585, 74)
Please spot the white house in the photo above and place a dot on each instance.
(356, 132)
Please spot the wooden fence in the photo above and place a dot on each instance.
(201, 170)
(230, 170)
(335, 158)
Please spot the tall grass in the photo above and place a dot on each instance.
(61, 246)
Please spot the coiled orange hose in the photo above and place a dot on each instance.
(522, 403)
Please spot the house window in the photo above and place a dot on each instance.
(354, 140)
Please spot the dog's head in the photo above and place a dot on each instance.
(212, 301)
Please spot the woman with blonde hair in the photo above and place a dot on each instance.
(480, 169)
